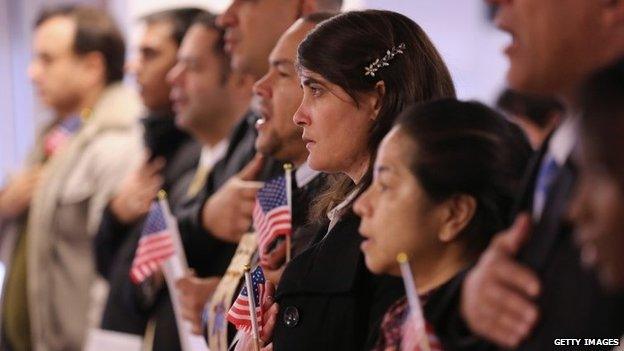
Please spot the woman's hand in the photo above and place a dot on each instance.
(269, 316)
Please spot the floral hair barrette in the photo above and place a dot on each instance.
(371, 69)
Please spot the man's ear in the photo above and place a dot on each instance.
(95, 67)
(459, 212)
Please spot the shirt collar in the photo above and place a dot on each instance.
(336, 213)
(304, 175)
(564, 139)
(212, 154)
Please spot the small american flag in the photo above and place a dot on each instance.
(61, 134)
(239, 312)
(155, 246)
(271, 215)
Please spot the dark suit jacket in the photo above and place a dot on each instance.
(130, 307)
(116, 243)
(572, 303)
(240, 151)
(336, 303)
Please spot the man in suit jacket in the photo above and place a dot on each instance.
(252, 29)
(209, 100)
(528, 288)
(278, 137)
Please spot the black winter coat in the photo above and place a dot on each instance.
(328, 299)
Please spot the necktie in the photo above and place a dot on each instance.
(198, 182)
(545, 179)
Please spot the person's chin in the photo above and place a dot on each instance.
(522, 77)
(263, 147)
(181, 122)
(373, 265)
(314, 163)
(238, 62)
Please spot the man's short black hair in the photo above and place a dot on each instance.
(180, 18)
(209, 21)
(96, 31)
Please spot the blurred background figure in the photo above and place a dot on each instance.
(513, 296)
(537, 116)
(597, 208)
(227, 199)
(82, 155)
(170, 157)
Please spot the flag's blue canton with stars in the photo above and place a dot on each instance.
(273, 194)
(271, 215)
(239, 313)
(155, 245)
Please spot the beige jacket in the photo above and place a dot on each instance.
(65, 214)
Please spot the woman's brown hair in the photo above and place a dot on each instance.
(340, 48)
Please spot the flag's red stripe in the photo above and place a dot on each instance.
(280, 211)
(264, 219)
(153, 256)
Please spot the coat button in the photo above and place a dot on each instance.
(291, 316)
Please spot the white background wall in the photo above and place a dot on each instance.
(459, 28)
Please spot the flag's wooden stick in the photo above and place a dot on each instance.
(288, 174)
(416, 312)
(252, 308)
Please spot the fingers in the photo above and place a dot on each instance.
(247, 189)
(252, 169)
(512, 240)
(194, 317)
(273, 275)
(498, 293)
(243, 224)
(267, 298)
(184, 284)
(506, 304)
(518, 278)
(505, 329)
(269, 291)
(194, 293)
(276, 257)
(270, 318)
(246, 208)
(153, 167)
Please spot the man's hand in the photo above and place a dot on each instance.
(194, 293)
(227, 213)
(498, 295)
(137, 191)
(16, 196)
(274, 262)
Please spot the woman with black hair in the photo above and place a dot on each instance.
(444, 182)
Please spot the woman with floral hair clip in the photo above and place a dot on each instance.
(358, 70)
